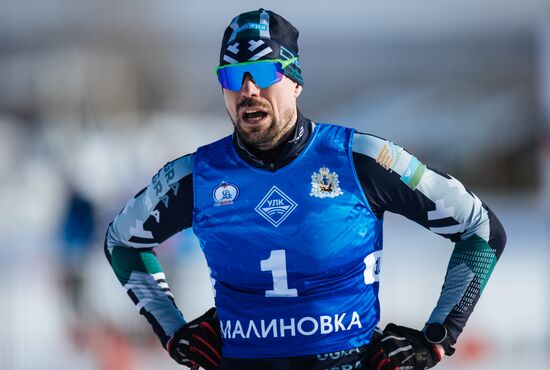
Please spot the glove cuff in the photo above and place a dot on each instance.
(426, 355)
(169, 344)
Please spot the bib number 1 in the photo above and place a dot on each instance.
(276, 263)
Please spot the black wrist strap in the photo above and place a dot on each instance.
(448, 347)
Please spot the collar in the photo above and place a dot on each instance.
(282, 155)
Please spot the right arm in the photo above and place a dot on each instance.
(157, 212)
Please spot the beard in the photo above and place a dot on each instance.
(267, 135)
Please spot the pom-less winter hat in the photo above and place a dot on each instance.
(261, 34)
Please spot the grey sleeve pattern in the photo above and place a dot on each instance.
(394, 180)
(157, 212)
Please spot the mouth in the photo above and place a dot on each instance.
(253, 115)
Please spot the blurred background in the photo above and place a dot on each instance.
(95, 96)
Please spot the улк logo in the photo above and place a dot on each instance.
(276, 206)
(225, 194)
(325, 184)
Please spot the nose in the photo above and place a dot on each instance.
(249, 87)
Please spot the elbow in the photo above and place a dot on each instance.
(106, 249)
(497, 238)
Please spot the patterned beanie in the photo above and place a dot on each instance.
(261, 34)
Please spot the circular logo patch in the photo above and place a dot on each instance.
(225, 194)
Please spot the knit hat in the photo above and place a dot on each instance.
(261, 34)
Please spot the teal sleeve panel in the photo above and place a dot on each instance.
(143, 279)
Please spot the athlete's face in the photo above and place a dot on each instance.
(263, 118)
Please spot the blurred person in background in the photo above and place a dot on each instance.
(76, 234)
(289, 216)
(89, 330)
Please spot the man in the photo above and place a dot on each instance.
(289, 216)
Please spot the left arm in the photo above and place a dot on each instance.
(394, 180)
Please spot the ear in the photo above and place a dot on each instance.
(297, 90)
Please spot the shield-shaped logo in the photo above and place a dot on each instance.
(325, 184)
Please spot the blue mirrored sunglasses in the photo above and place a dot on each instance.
(264, 72)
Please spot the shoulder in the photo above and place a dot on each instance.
(377, 153)
(179, 167)
(332, 131)
(330, 126)
(171, 173)
(371, 145)
(384, 152)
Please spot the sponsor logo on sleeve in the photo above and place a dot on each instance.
(388, 156)
(413, 173)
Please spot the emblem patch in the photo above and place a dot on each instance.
(413, 173)
(225, 194)
(325, 184)
(276, 206)
(388, 156)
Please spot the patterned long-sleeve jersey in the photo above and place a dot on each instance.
(391, 179)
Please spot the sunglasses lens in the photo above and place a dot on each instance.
(264, 74)
(231, 77)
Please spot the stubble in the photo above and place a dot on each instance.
(263, 137)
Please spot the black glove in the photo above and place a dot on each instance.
(198, 343)
(401, 348)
